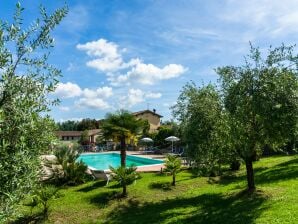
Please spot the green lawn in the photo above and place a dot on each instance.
(193, 200)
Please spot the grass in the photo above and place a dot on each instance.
(194, 200)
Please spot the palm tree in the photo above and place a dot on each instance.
(124, 176)
(121, 126)
(173, 166)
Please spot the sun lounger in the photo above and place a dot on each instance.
(148, 150)
(177, 152)
(101, 174)
(180, 152)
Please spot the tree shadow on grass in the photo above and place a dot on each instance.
(263, 175)
(206, 208)
(166, 186)
(32, 218)
(281, 172)
(102, 199)
(114, 186)
(94, 186)
(227, 178)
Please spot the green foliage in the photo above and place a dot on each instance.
(88, 124)
(84, 139)
(204, 127)
(124, 176)
(75, 173)
(67, 169)
(26, 79)
(122, 127)
(261, 101)
(146, 128)
(84, 124)
(67, 126)
(41, 198)
(173, 166)
(121, 124)
(164, 131)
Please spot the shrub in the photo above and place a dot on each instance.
(41, 198)
(67, 170)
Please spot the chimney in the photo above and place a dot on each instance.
(154, 110)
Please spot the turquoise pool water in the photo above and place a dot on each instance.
(102, 161)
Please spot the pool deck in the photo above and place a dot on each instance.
(150, 168)
(147, 168)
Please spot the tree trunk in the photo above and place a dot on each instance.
(124, 192)
(123, 152)
(250, 175)
(174, 180)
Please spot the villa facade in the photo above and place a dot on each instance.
(75, 135)
(151, 116)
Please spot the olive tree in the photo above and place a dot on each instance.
(261, 100)
(26, 78)
(204, 126)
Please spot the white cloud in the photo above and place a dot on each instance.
(263, 17)
(63, 108)
(107, 57)
(102, 92)
(95, 99)
(91, 98)
(136, 96)
(148, 74)
(93, 103)
(100, 48)
(104, 64)
(68, 90)
(287, 23)
(153, 95)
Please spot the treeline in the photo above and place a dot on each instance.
(85, 124)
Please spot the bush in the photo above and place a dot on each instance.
(66, 169)
(41, 198)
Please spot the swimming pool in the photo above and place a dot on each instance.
(102, 161)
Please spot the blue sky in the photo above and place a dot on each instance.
(130, 54)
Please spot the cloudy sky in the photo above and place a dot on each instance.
(133, 54)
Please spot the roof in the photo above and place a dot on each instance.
(77, 133)
(69, 133)
(146, 111)
(93, 131)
